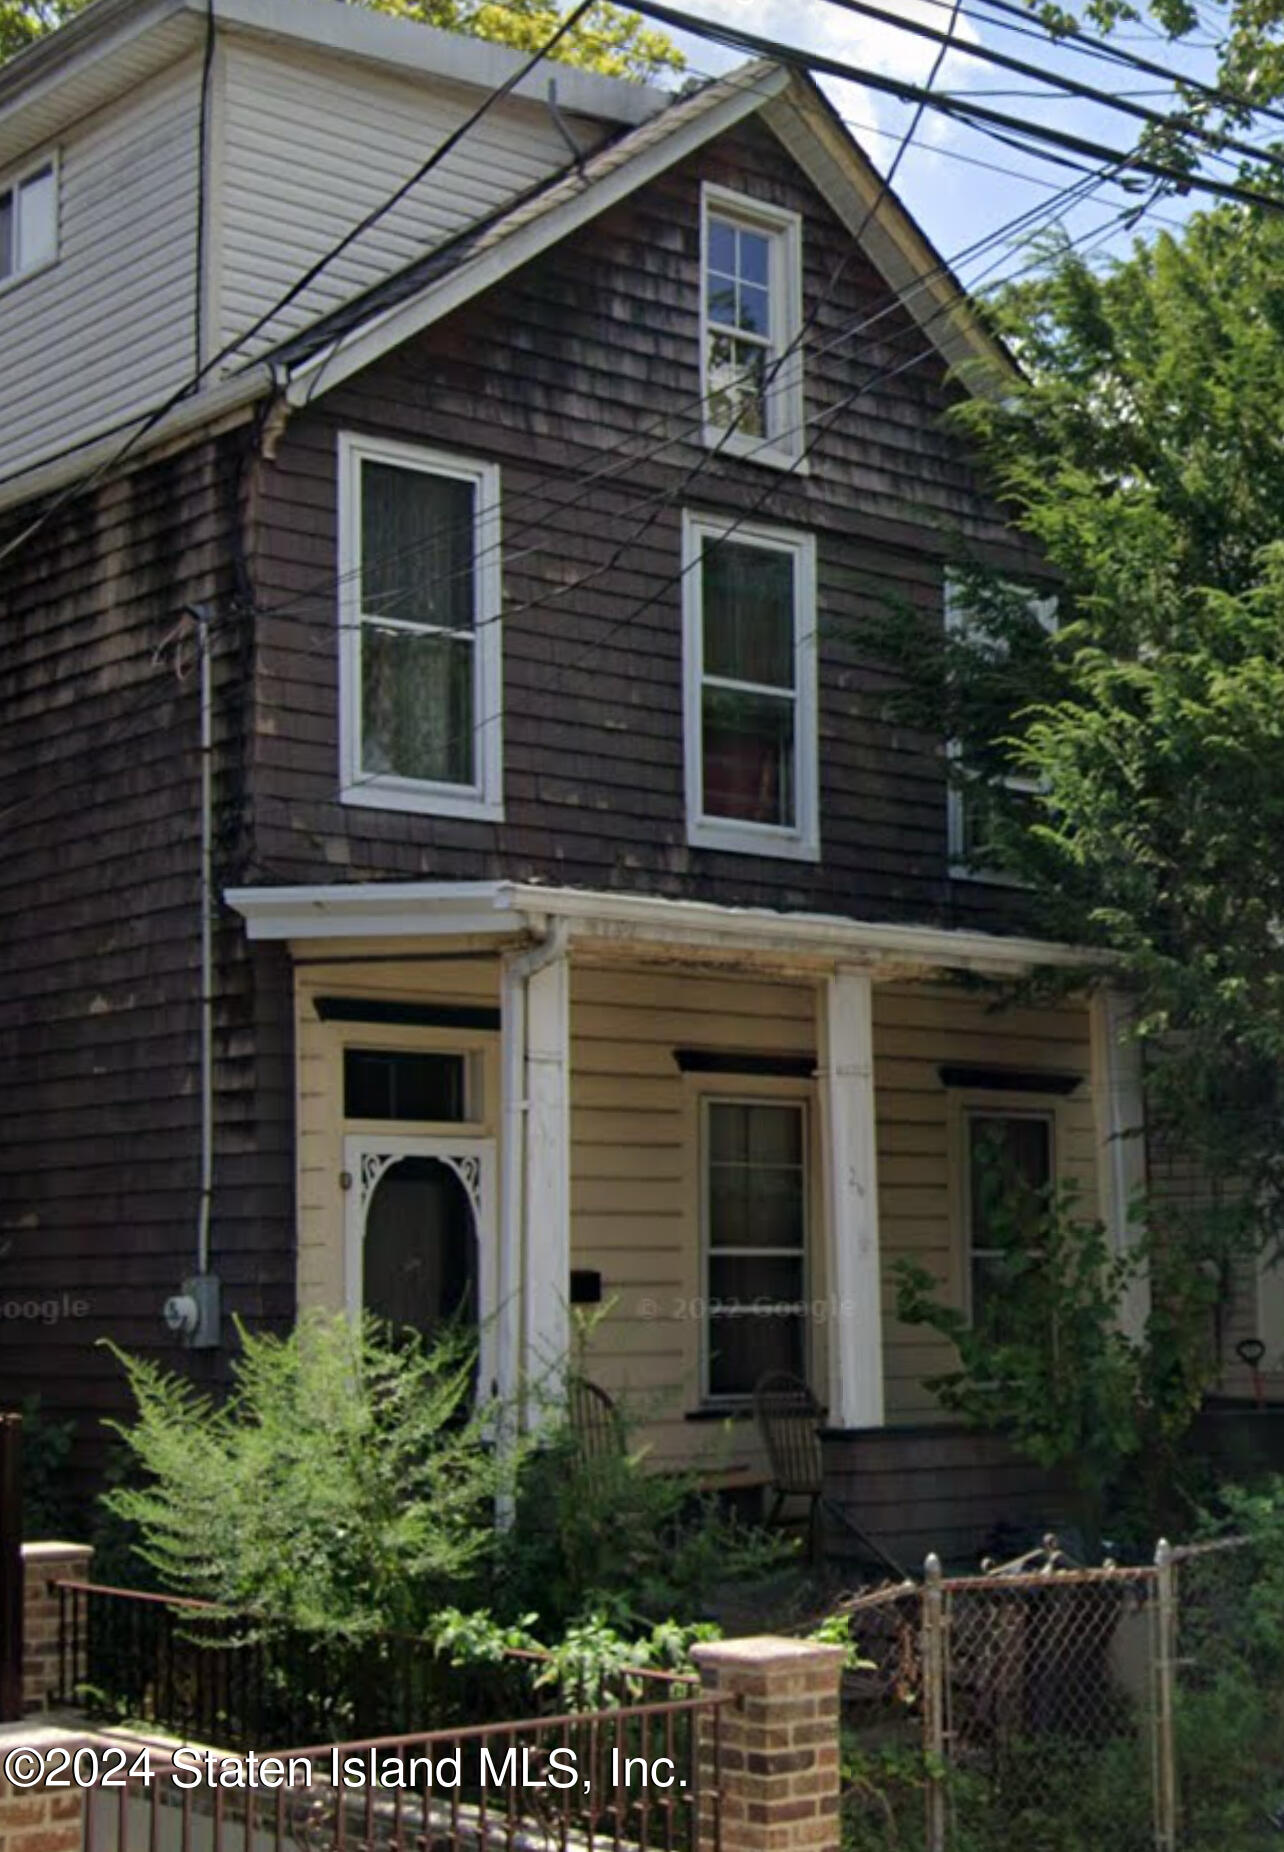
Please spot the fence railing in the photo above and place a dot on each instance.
(1134, 1708)
(193, 1670)
(632, 1778)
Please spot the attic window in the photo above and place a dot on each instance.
(29, 222)
(751, 320)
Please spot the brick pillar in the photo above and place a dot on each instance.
(43, 1566)
(777, 1745)
(41, 1819)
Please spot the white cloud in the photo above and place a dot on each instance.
(851, 38)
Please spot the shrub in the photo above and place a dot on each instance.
(343, 1485)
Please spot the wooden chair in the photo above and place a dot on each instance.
(789, 1418)
(595, 1422)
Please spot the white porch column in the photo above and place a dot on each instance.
(1119, 1101)
(846, 1042)
(547, 1281)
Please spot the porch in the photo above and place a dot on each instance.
(689, 1144)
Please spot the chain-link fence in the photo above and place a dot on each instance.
(1059, 1709)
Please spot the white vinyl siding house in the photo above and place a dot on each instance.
(107, 331)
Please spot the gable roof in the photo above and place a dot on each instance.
(790, 104)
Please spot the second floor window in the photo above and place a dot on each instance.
(750, 669)
(29, 222)
(751, 318)
(420, 674)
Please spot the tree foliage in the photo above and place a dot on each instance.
(1145, 455)
(610, 39)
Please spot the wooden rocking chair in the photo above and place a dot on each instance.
(789, 1418)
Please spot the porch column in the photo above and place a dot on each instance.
(846, 1042)
(1119, 1101)
(548, 1168)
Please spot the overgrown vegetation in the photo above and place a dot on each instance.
(357, 1488)
(1046, 1359)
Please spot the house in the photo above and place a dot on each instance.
(587, 936)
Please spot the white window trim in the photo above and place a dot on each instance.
(801, 1103)
(1045, 610)
(785, 405)
(11, 183)
(981, 1105)
(387, 790)
(801, 841)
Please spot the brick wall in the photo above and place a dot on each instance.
(774, 1745)
(43, 1566)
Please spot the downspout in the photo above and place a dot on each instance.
(202, 617)
(518, 970)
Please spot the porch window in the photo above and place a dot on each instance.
(971, 804)
(755, 1217)
(1009, 1169)
(751, 367)
(750, 669)
(420, 674)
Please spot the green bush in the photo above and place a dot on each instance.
(343, 1485)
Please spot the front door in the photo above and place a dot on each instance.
(421, 1235)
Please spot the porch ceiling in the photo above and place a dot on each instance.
(604, 927)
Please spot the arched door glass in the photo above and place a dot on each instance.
(419, 1258)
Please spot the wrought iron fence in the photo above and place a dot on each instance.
(1069, 1709)
(239, 1681)
(633, 1778)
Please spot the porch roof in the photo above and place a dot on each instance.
(597, 922)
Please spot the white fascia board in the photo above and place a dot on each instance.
(375, 909)
(435, 908)
(419, 50)
(824, 935)
(210, 407)
(350, 353)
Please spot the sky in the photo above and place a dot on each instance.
(956, 201)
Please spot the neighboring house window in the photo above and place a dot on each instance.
(420, 677)
(751, 322)
(29, 221)
(970, 807)
(749, 653)
(755, 1220)
(1009, 1169)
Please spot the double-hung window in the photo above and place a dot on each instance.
(420, 666)
(29, 221)
(971, 799)
(1009, 1170)
(755, 1220)
(749, 662)
(751, 320)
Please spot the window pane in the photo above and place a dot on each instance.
(417, 545)
(748, 757)
(747, 596)
(756, 1181)
(754, 255)
(756, 1323)
(417, 705)
(6, 235)
(37, 219)
(722, 246)
(1011, 1166)
(755, 313)
(385, 1084)
(722, 299)
(738, 384)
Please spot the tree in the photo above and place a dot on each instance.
(1145, 454)
(610, 39)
